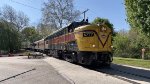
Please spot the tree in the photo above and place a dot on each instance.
(120, 43)
(59, 12)
(10, 38)
(30, 34)
(138, 14)
(44, 30)
(129, 43)
(9, 14)
(99, 20)
(18, 19)
(22, 20)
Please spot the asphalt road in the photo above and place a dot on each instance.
(20, 70)
(49, 70)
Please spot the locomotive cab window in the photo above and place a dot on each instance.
(70, 29)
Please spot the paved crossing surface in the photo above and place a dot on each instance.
(20, 70)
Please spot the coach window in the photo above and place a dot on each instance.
(60, 33)
(66, 31)
(38, 45)
(46, 42)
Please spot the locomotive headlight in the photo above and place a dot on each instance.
(112, 46)
(104, 29)
(93, 46)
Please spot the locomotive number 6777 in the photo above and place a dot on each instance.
(79, 42)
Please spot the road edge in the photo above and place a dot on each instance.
(63, 75)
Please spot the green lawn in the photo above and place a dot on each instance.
(132, 62)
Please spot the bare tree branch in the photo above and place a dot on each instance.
(59, 12)
(19, 19)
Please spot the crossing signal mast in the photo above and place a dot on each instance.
(84, 12)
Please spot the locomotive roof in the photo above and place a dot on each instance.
(73, 24)
(52, 34)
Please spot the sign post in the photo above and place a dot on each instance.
(143, 51)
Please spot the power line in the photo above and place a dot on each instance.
(25, 5)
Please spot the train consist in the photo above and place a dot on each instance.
(79, 42)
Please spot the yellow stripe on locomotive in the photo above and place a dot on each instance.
(94, 38)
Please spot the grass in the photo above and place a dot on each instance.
(132, 62)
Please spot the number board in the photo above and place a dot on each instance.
(88, 34)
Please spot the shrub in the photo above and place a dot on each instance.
(129, 44)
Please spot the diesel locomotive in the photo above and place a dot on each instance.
(79, 42)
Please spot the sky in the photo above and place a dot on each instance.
(114, 10)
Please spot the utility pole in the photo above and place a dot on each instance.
(84, 12)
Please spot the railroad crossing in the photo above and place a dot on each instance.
(49, 70)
